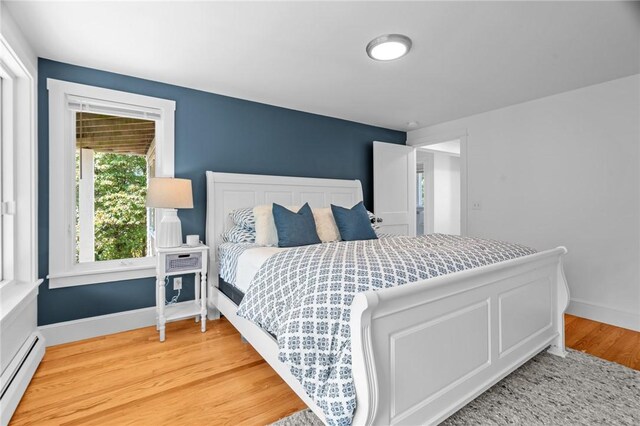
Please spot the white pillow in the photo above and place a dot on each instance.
(326, 225)
(267, 234)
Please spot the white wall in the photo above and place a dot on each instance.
(446, 194)
(563, 170)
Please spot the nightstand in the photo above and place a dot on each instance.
(179, 261)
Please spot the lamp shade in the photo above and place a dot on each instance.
(170, 193)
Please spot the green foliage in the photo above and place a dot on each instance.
(120, 186)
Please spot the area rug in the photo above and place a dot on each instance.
(548, 390)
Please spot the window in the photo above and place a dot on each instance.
(18, 235)
(7, 178)
(112, 171)
(104, 145)
(2, 180)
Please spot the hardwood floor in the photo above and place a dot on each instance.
(202, 379)
(603, 340)
(131, 378)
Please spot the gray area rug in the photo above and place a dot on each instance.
(548, 390)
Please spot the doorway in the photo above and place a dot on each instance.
(438, 188)
(421, 188)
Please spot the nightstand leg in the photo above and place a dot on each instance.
(196, 285)
(161, 299)
(203, 302)
(157, 306)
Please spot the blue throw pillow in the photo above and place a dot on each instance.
(354, 223)
(295, 229)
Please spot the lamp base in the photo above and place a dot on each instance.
(170, 230)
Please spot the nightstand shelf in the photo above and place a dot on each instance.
(181, 261)
(182, 311)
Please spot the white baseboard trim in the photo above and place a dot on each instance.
(86, 328)
(606, 314)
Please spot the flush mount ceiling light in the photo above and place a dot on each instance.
(388, 47)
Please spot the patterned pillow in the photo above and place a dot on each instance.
(372, 217)
(239, 234)
(244, 218)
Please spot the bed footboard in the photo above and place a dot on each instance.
(423, 350)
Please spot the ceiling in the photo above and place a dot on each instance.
(467, 57)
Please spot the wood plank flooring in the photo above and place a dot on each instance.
(202, 379)
(131, 378)
(603, 340)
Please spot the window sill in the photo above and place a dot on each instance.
(13, 294)
(76, 278)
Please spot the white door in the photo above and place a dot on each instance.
(394, 187)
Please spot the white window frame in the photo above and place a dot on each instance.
(64, 271)
(19, 167)
(6, 176)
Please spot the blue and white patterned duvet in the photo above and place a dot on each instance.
(303, 296)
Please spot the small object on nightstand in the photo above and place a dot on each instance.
(179, 261)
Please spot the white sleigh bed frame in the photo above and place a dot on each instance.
(422, 350)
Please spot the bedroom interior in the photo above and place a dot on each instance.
(307, 213)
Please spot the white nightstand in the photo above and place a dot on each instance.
(179, 261)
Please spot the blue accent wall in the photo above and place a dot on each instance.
(213, 132)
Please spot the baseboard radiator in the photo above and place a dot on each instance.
(16, 377)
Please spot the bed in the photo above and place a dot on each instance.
(419, 351)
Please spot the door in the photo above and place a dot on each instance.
(394, 187)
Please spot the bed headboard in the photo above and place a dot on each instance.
(229, 191)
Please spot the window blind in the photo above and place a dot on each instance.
(96, 106)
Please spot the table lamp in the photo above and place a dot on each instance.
(170, 194)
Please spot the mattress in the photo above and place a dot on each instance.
(230, 291)
(239, 263)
